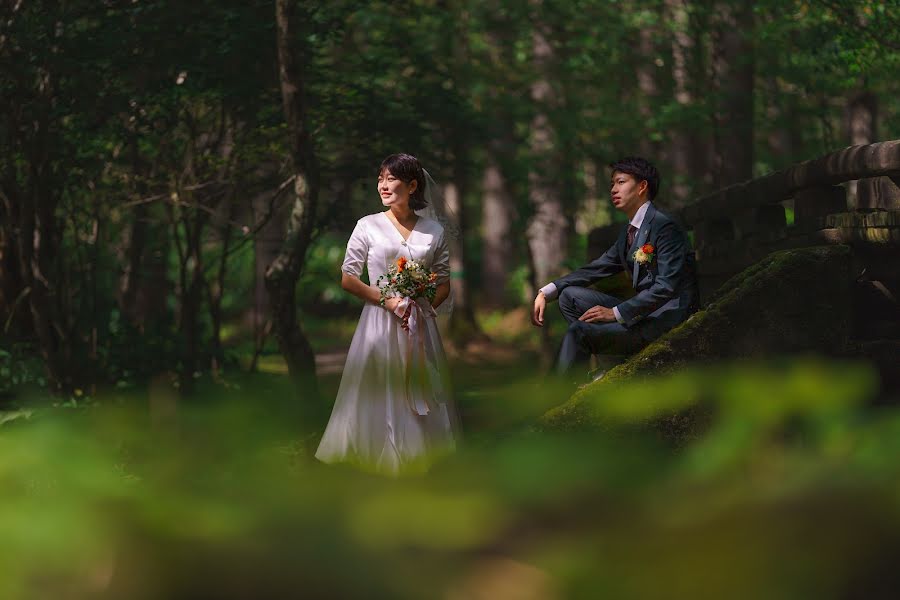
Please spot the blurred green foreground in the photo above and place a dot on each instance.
(789, 489)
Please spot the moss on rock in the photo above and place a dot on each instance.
(791, 302)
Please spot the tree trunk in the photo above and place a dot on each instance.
(191, 282)
(685, 159)
(501, 187)
(6, 277)
(13, 294)
(596, 210)
(496, 227)
(862, 111)
(267, 243)
(189, 321)
(860, 118)
(34, 246)
(151, 281)
(32, 208)
(216, 288)
(733, 71)
(779, 114)
(135, 237)
(463, 327)
(134, 244)
(547, 229)
(649, 90)
(222, 224)
(282, 274)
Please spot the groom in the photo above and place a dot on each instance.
(657, 255)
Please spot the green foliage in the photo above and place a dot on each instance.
(319, 287)
(227, 501)
(132, 129)
(20, 367)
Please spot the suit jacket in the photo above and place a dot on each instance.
(666, 287)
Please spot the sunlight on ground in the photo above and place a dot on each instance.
(273, 364)
(511, 326)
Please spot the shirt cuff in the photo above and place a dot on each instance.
(549, 291)
(618, 316)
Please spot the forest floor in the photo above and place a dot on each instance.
(491, 374)
(499, 379)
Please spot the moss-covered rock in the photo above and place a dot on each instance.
(792, 302)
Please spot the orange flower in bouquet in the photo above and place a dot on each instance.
(407, 279)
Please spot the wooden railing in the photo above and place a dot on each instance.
(739, 225)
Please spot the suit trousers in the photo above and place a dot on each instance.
(584, 339)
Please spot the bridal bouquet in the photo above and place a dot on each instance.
(408, 279)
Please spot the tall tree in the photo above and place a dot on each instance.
(685, 143)
(463, 325)
(732, 75)
(497, 219)
(33, 166)
(498, 103)
(282, 274)
(548, 228)
(648, 86)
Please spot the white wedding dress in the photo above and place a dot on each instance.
(390, 374)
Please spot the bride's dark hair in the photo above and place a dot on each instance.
(406, 167)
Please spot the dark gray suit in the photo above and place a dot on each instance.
(666, 293)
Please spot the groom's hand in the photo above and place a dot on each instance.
(598, 314)
(537, 313)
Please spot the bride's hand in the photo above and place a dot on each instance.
(391, 304)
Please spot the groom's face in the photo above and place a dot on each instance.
(626, 193)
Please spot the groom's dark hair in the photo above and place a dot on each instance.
(641, 169)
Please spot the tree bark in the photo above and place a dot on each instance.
(861, 117)
(30, 199)
(12, 291)
(135, 242)
(685, 159)
(462, 327)
(733, 71)
(35, 246)
(861, 114)
(282, 274)
(216, 288)
(548, 228)
(129, 283)
(646, 76)
(779, 114)
(496, 227)
(266, 246)
(191, 283)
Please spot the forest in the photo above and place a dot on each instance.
(178, 181)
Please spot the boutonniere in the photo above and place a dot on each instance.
(644, 255)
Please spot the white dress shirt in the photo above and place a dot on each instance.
(549, 290)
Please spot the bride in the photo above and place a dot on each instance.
(393, 412)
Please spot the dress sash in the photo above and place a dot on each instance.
(422, 377)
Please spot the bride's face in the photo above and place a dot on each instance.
(393, 190)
